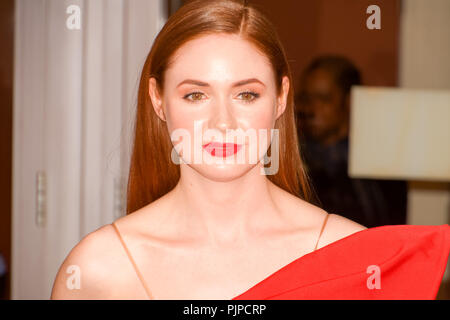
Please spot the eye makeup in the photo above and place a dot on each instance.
(254, 96)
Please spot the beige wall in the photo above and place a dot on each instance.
(424, 63)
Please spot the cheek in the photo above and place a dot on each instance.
(332, 112)
(180, 118)
(178, 122)
(325, 110)
(264, 118)
(262, 122)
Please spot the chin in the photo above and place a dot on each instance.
(223, 172)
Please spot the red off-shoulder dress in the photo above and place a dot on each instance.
(387, 262)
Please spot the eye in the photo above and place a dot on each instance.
(249, 96)
(195, 95)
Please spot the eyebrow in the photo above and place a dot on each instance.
(205, 84)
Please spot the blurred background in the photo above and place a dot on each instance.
(69, 78)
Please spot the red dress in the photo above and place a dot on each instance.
(387, 262)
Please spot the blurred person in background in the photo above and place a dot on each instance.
(323, 119)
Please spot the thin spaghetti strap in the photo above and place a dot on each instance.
(150, 296)
(323, 227)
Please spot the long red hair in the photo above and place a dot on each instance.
(152, 172)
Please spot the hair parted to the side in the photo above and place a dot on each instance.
(152, 172)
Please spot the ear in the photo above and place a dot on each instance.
(155, 97)
(282, 99)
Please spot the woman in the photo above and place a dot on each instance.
(213, 229)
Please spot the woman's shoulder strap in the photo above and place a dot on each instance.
(321, 230)
(141, 278)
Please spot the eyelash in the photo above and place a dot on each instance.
(254, 94)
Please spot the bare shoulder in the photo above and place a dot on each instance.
(81, 275)
(338, 227)
(93, 269)
(313, 218)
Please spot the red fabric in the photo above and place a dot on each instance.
(411, 260)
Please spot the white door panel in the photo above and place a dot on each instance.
(74, 102)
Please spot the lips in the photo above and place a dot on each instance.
(219, 149)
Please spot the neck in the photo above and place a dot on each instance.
(224, 212)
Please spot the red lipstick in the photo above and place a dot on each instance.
(219, 149)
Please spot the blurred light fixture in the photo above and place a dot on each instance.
(398, 133)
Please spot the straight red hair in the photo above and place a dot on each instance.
(152, 172)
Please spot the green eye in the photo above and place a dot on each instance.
(193, 94)
(250, 95)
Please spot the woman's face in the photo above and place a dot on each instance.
(219, 98)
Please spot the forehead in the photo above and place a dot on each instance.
(219, 58)
(320, 79)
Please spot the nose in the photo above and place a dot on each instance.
(222, 116)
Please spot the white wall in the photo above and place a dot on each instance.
(73, 91)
